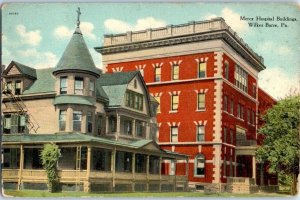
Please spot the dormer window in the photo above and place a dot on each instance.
(18, 87)
(63, 85)
(78, 85)
(92, 88)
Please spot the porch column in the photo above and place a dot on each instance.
(133, 128)
(253, 167)
(160, 177)
(87, 184)
(187, 174)
(147, 166)
(21, 166)
(235, 161)
(118, 125)
(88, 167)
(106, 125)
(113, 167)
(133, 170)
(175, 166)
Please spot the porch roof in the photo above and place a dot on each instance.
(69, 138)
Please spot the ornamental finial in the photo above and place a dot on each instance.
(78, 16)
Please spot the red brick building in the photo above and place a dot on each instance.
(205, 78)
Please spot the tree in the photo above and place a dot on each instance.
(280, 148)
(49, 156)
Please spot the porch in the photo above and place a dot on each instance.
(97, 168)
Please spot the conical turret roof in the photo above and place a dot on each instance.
(76, 57)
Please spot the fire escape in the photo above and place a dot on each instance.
(14, 104)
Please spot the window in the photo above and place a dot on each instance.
(226, 71)
(241, 78)
(127, 127)
(253, 117)
(201, 101)
(174, 133)
(200, 165)
(134, 100)
(225, 135)
(157, 74)
(112, 122)
(242, 113)
(78, 85)
(18, 87)
(83, 158)
(89, 122)
(11, 158)
(140, 129)
(101, 159)
(248, 116)
(154, 165)
(174, 102)
(175, 72)
(140, 163)
(77, 117)
(100, 125)
(9, 86)
(239, 110)
(231, 136)
(225, 103)
(32, 160)
(231, 106)
(200, 133)
(254, 90)
(14, 123)
(135, 83)
(202, 70)
(62, 120)
(158, 107)
(92, 88)
(63, 85)
(123, 161)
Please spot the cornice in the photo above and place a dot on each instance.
(224, 35)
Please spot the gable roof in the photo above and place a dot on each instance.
(25, 70)
(77, 56)
(44, 82)
(114, 86)
(118, 78)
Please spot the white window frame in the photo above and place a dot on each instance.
(200, 157)
(174, 133)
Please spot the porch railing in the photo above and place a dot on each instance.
(241, 180)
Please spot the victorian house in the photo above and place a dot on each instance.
(104, 124)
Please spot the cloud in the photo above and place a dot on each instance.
(97, 57)
(232, 19)
(32, 38)
(37, 59)
(118, 26)
(274, 48)
(63, 32)
(277, 83)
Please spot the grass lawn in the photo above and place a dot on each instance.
(37, 193)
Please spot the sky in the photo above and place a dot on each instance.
(37, 34)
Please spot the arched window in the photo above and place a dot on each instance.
(199, 165)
